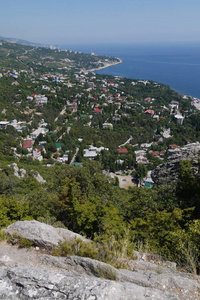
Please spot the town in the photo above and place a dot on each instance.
(61, 111)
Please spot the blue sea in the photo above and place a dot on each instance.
(175, 65)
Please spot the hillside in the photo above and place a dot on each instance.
(70, 139)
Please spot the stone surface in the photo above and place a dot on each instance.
(30, 283)
(32, 274)
(41, 234)
(20, 173)
(38, 177)
(168, 172)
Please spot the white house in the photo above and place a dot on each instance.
(107, 126)
(35, 133)
(3, 124)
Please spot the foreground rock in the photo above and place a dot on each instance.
(25, 283)
(168, 172)
(41, 234)
(32, 274)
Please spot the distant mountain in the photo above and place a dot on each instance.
(22, 42)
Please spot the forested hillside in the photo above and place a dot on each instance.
(62, 128)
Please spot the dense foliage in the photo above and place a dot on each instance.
(163, 220)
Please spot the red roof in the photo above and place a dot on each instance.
(156, 153)
(97, 109)
(150, 112)
(173, 146)
(123, 150)
(38, 105)
(27, 144)
(162, 152)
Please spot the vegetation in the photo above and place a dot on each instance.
(164, 219)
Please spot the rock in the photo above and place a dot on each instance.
(41, 234)
(31, 283)
(81, 265)
(168, 171)
(20, 173)
(38, 177)
(28, 274)
(173, 283)
(154, 258)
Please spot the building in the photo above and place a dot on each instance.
(92, 152)
(122, 151)
(3, 124)
(179, 119)
(149, 112)
(37, 154)
(107, 126)
(35, 133)
(41, 99)
(27, 144)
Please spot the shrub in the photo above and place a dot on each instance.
(2, 235)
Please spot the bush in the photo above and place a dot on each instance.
(2, 235)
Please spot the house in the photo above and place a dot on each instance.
(116, 117)
(37, 154)
(97, 110)
(156, 153)
(166, 133)
(28, 144)
(91, 85)
(146, 145)
(122, 151)
(162, 154)
(174, 105)
(148, 99)
(45, 88)
(156, 117)
(149, 112)
(41, 99)
(29, 98)
(173, 146)
(141, 157)
(58, 146)
(92, 152)
(3, 124)
(179, 119)
(35, 133)
(107, 126)
(149, 182)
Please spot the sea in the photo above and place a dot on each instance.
(177, 65)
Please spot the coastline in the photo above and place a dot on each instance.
(107, 65)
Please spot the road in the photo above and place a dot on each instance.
(127, 142)
(74, 157)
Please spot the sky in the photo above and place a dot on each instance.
(100, 22)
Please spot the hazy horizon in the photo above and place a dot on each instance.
(105, 22)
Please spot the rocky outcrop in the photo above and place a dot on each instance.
(20, 173)
(38, 177)
(41, 234)
(168, 171)
(32, 274)
(30, 283)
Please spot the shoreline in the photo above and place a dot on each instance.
(107, 65)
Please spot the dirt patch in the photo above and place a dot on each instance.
(125, 181)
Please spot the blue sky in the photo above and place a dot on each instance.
(103, 21)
